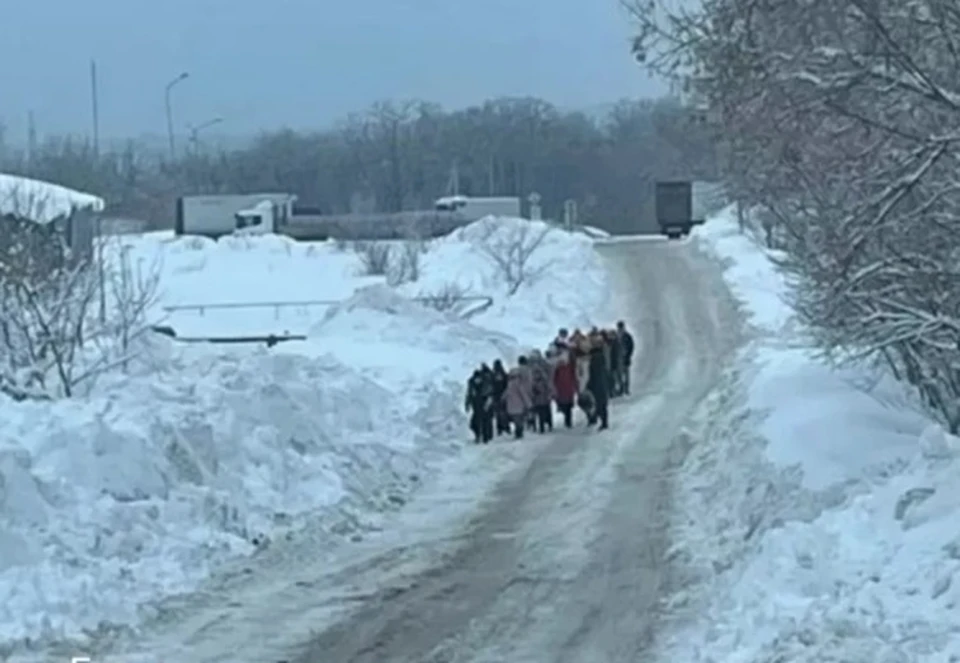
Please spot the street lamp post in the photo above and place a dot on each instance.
(166, 97)
(195, 131)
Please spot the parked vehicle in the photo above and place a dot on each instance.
(219, 215)
(477, 208)
(682, 204)
(261, 213)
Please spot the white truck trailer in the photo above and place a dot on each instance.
(259, 213)
(477, 208)
(218, 215)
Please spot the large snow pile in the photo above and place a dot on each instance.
(819, 515)
(41, 201)
(147, 486)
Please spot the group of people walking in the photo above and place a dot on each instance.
(578, 371)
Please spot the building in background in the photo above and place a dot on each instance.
(53, 209)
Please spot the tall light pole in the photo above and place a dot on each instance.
(94, 97)
(195, 131)
(166, 97)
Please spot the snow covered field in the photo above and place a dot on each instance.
(198, 453)
(819, 519)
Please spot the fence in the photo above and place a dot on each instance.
(465, 306)
(476, 304)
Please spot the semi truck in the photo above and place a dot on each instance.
(218, 215)
(259, 213)
(681, 204)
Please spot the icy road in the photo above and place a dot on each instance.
(563, 560)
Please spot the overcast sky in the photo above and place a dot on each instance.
(301, 63)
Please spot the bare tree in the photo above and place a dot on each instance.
(850, 112)
(512, 249)
(44, 309)
(51, 337)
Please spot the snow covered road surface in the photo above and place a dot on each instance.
(563, 562)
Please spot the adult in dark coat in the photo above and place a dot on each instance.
(479, 403)
(626, 352)
(599, 386)
(616, 363)
(489, 411)
(500, 415)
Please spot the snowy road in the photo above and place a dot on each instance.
(559, 558)
(564, 562)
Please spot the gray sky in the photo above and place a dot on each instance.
(301, 63)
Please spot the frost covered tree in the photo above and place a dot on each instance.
(840, 121)
(53, 338)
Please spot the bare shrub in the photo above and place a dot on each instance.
(374, 257)
(405, 267)
(414, 234)
(340, 241)
(134, 291)
(511, 250)
(448, 298)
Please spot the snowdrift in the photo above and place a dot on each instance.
(819, 514)
(203, 453)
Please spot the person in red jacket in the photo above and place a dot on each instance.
(565, 387)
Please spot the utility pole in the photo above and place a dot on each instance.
(195, 132)
(169, 107)
(96, 107)
(31, 139)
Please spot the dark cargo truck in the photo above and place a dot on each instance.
(684, 204)
(674, 202)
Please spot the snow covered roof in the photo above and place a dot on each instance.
(41, 201)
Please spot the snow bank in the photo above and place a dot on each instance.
(147, 487)
(41, 201)
(819, 517)
(563, 269)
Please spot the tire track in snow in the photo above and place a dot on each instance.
(581, 578)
